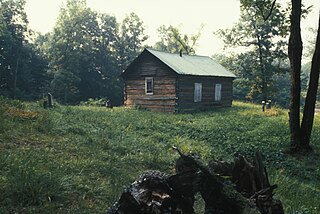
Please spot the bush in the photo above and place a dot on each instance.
(94, 102)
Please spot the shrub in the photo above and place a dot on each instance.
(94, 102)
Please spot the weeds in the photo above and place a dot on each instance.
(28, 182)
(77, 159)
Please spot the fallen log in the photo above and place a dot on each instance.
(246, 191)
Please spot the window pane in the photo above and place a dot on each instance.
(149, 85)
(217, 96)
(197, 92)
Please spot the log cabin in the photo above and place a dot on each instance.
(161, 81)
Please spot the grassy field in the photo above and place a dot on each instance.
(77, 159)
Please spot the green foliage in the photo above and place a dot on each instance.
(173, 41)
(262, 29)
(94, 102)
(23, 71)
(77, 159)
(64, 86)
(296, 194)
(248, 85)
(131, 39)
(87, 52)
(81, 58)
(79, 53)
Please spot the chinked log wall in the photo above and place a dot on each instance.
(185, 92)
(164, 81)
(172, 92)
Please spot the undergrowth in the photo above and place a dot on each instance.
(77, 159)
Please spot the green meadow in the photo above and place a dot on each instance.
(77, 159)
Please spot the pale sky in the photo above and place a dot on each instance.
(189, 14)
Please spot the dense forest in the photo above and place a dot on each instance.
(86, 51)
(81, 58)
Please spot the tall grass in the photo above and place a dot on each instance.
(77, 159)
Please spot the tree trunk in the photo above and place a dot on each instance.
(295, 55)
(308, 111)
(263, 72)
(15, 78)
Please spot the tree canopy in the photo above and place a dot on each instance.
(81, 58)
(262, 30)
(22, 70)
(87, 52)
(131, 38)
(74, 49)
(172, 40)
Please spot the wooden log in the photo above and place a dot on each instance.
(155, 192)
(218, 197)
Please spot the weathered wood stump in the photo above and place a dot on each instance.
(246, 191)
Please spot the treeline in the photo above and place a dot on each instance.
(84, 54)
(81, 58)
(262, 67)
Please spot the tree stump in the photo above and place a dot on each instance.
(156, 192)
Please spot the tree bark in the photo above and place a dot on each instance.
(15, 78)
(308, 111)
(295, 55)
(263, 72)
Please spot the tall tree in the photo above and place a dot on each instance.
(295, 56)
(262, 29)
(22, 69)
(131, 39)
(300, 135)
(173, 40)
(81, 46)
(70, 47)
(247, 84)
(13, 35)
(111, 86)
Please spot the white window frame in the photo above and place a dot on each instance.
(197, 92)
(148, 79)
(218, 92)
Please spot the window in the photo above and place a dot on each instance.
(217, 94)
(197, 92)
(149, 85)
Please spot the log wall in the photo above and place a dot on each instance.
(164, 82)
(171, 92)
(185, 92)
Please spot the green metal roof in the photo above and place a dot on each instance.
(192, 65)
